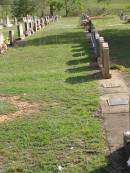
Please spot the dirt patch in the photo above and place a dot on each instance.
(23, 108)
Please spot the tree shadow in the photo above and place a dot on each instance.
(119, 42)
(77, 61)
(63, 38)
(79, 69)
(84, 78)
(117, 163)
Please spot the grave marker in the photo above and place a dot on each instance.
(11, 37)
(20, 31)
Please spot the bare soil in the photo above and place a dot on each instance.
(23, 108)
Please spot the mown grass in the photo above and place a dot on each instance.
(117, 35)
(53, 68)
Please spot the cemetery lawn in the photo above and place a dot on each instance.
(53, 68)
(117, 35)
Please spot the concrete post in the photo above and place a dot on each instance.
(106, 61)
(100, 59)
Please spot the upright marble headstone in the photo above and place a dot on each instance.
(38, 24)
(26, 26)
(42, 22)
(20, 31)
(1, 39)
(35, 26)
(3, 45)
(15, 21)
(7, 22)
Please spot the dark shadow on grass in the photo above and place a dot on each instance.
(78, 50)
(84, 78)
(117, 163)
(119, 42)
(79, 69)
(64, 38)
(79, 54)
(77, 61)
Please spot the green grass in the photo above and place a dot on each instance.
(117, 35)
(53, 69)
(6, 107)
(114, 4)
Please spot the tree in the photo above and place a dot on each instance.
(21, 8)
(55, 5)
(73, 6)
(106, 2)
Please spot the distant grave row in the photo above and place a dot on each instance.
(26, 28)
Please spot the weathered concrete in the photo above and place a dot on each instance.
(116, 118)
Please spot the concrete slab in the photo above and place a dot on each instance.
(114, 85)
(109, 109)
(111, 85)
(115, 125)
(118, 101)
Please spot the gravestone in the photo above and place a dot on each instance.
(1, 39)
(46, 20)
(20, 31)
(38, 24)
(35, 26)
(15, 21)
(42, 22)
(31, 27)
(11, 37)
(7, 22)
(3, 46)
(26, 26)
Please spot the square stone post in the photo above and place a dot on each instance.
(100, 58)
(106, 61)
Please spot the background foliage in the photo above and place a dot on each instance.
(20, 8)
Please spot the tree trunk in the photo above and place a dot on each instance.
(66, 8)
(51, 10)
